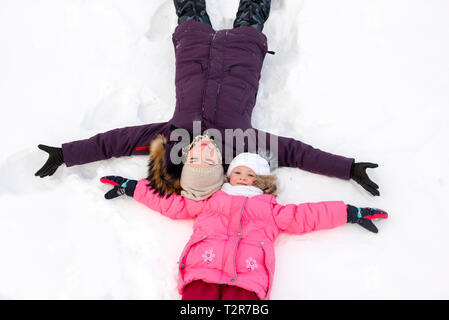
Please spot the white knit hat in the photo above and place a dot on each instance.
(251, 160)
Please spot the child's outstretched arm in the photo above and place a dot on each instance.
(173, 206)
(307, 217)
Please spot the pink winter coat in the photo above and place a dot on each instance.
(233, 236)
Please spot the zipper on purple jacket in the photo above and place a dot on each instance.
(221, 78)
(207, 75)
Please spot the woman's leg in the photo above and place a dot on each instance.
(191, 10)
(236, 293)
(200, 290)
(252, 13)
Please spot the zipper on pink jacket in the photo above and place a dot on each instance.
(181, 261)
(240, 238)
(266, 266)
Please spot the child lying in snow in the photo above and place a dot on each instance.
(230, 254)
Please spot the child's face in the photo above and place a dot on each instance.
(242, 176)
(203, 154)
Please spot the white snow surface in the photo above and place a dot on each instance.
(363, 79)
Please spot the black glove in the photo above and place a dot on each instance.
(363, 216)
(358, 174)
(55, 159)
(121, 186)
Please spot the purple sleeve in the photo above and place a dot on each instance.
(115, 143)
(294, 153)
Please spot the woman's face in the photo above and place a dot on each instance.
(203, 154)
(242, 176)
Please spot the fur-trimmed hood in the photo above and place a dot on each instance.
(268, 184)
(165, 178)
(161, 180)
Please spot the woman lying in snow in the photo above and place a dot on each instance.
(230, 255)
(217, 80)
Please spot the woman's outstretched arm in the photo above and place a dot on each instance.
(114, 143)
(289, 152)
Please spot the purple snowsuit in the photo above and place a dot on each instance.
(217, 79)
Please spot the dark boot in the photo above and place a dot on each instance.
(191, 10)
(252, 13)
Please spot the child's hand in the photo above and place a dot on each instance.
(121, 186)
(363, 216)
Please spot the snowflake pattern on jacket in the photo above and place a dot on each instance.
(251, 264)
(208, 256)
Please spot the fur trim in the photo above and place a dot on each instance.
(166, 183)
(268, 184)
(159, 178)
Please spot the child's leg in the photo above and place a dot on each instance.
(191, 10)
(236, 293)
(200, 290)
(252, 13)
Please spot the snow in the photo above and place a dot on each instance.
(363, 79)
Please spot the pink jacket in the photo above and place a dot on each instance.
(233, 236)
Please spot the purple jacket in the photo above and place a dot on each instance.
(217, 79)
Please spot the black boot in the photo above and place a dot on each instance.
(252, 13)
(191, 10)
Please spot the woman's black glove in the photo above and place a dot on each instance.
(363, 216)
(121, 186)
(358, 174)
(55, 159)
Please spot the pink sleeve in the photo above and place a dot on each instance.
(307, 217)
(174, 207)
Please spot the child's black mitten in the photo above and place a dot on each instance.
(363, 216)
(121, 186)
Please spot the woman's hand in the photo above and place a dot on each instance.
(55, 159)
(359, 175)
